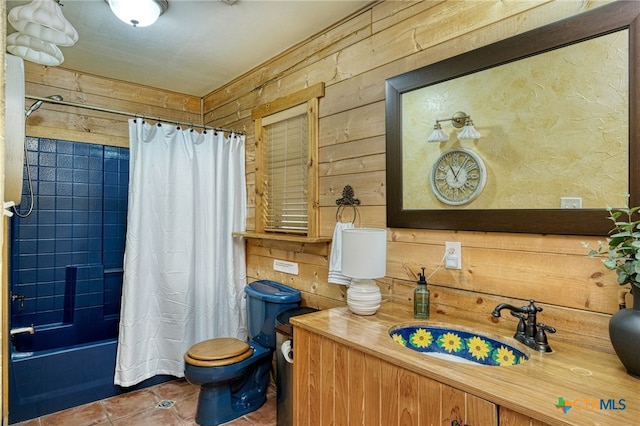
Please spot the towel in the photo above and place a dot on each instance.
(335, 260)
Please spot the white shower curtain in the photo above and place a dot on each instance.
(184, 273)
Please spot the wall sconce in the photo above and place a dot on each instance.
(364, 257)
(138, 13)
(459, 120)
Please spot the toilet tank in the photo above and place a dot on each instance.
(265, 300)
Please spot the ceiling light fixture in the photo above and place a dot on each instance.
(138, 13)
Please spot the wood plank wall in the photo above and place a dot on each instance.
(84, 125)
(353, 59)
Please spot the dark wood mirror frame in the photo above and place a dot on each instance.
(603, 20)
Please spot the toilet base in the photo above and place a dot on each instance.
(237, 389)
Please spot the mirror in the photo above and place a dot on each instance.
(557, 111)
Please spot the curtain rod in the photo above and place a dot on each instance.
(132, 114)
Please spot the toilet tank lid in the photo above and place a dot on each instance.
(273, 292)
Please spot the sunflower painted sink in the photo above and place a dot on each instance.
(457, 345)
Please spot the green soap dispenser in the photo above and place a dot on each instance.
(421, 298)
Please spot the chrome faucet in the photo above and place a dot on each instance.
(529, 331)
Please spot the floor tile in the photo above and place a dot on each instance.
(138, 408)
(86, 415)
(265, 415)
(175, 389)
(131, 402)
(186, 406)
(151, 417)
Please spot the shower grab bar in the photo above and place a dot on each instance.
(22, 330)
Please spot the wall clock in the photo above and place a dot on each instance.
(458, 176)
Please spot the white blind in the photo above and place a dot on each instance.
(286, 191)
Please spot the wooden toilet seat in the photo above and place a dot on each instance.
(218, 352)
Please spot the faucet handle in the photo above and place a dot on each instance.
(546, 327)
(540, 342)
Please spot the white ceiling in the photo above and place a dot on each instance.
(197, 45)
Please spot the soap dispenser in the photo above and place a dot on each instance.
(421, 298)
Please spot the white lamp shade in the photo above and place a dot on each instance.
(34, 50)
(364, 253)
(43, 20)
(141, 13)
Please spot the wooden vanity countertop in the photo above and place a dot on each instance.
(578, 375)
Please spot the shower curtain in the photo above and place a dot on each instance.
(184, 273)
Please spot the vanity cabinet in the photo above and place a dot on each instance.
(339, 385)
(513, 418)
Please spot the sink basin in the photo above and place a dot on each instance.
(457, 345)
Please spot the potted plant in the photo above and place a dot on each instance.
(621, 253)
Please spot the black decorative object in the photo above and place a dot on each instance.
(624, 331)
(347, 197)
(347, 200)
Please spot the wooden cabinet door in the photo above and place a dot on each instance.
(334, 384)
(466, 409)
(513, 418)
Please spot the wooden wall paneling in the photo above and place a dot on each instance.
(327, 391)
(419, 32)
(181, 108)
(330, 155)
(511, 418)
(369, 188)
(389, 13)
(480, 412)
(408, 384)
(373, 400)
(302, 55)
(430, 407)
(309, 279)
(390, 389)
(301, 340)
(360, 123)
(356, 387)
(231, 94)
(315, 373)
(368, 87)
(368, 216)
(511, 276)
(497, 267)
(109, 88)
(342, 380)
(85, 125)
(453, 405)
(362, 164)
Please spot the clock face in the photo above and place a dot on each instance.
(458, 176)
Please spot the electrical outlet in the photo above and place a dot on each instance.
(453, 255)
(570, 202)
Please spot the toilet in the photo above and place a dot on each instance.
(233, 375)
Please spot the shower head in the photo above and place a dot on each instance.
(37, 104)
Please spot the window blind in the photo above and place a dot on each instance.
(286, 191)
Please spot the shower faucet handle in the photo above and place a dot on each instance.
(19, 297)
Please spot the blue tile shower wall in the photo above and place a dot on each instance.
(66, 257)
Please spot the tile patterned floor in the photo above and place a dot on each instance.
(138, 408)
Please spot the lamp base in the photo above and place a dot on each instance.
(363, 297)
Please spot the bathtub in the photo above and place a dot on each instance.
(44, 379)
